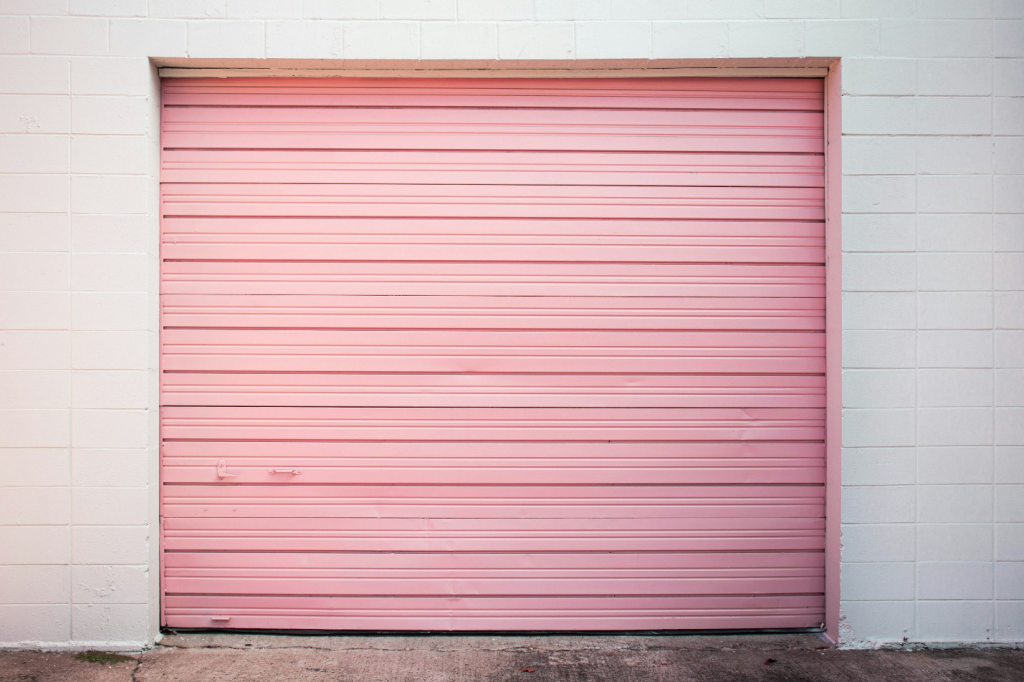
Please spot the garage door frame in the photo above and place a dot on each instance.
(828, 70)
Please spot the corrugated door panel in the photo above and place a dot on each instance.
(493, 355)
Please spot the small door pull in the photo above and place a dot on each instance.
(222, 470)
(220, 619)
(293, 472)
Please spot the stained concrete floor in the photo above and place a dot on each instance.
(562, 658)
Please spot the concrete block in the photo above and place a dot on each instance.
(110, 622)
(955, 387)
(349, 9)
(1009, 155)
(841, 38)
(801, 9)
(109, 8)
(536, 40)
(24, 350)
(954, 311)
(1008, 38)
(109, 155)
(954, 115)
(954, 503)
(34, 310)
(689, 39)
(36, 544)
(879, 621)
(955, 426)
(1008, 9)
(877, 581)
(110, 350)
(110, 468)
(735, 9)
(954, 271)
(100, 429)
(34, 271)
(372, 40)
(1009, 310)
(1009, 77)
(879, 194)
(109, 233)
(878, 466)
(1009, 464)
(110, 506)
(878, 349)
(304, 39)
(1009, 387)
(954, 233)
(936, 38)
(954, 77)
(110, 76)
(1010, 427)
(109, 311)
(34, 75)
(954, 580)
(954, 155)
(879, 388)
(35, 467)
(1009, 191)
(954, 542)
(1009, 580)
(876, 232)
(149, 37)
(1009, 541)
(35, 623)
(875, 9)
(878, 310)
(1008, 233)
(878, 542)
(883, 155)
(38, 7)
(188, 9)
(110, 545)
(34, 193)
(69, 35)
(14, 35)
(878, 504)
(572, 10)
(1009, 271)
(109, 115)
(227, 39)
(418, 9)
(34, 584)
(24, 232)
(34, 389)
(1008, 115)
(955, 465)
(879, 272)
(34, 506)
(955, 621)
(33, 153)
(459, 40)
(766, 39)
(650, 10)
(879, 116)
(37, 114)
(613, 39)
(110, 389)
(954, 194)
(888, 427)
(1009, 349)
(264, 9)
(110, 584)
(115, 194)
(954, 9)
(865, 76)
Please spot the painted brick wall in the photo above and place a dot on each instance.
(933, 238)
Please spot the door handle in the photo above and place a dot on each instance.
(222, 470)
(293, 472)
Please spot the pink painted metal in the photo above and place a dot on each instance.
(493, 355)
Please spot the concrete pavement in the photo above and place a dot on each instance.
(557, 658)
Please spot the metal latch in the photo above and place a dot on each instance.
(222, 470)
(293, 472)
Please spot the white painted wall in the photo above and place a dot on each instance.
(933, 234)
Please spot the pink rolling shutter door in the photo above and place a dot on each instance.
(493, 354)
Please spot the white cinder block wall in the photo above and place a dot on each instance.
(933, 238)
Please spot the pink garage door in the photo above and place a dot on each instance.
(493, 354)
